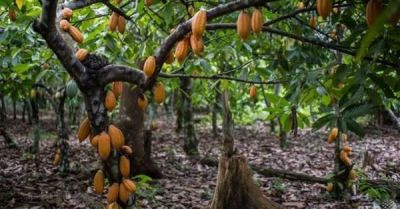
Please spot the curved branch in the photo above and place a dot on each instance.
(305, 40)
(217, 77)
(112, 73)
(47, 28)
(85, 3)
(183, 28)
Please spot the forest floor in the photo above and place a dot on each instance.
(28, 181)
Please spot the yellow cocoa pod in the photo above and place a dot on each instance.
(117, 87)
(129, 185)
(95, 142)
(170, 58)
(196, 42)
(159, 93)
(67, 13)
(111, 101)
(123, 193)
(98, 182)
(12, 15)
(313, 22)
(148, 2)
(334, 132)
(352, 175)
(182, 49)
(373, 10)
(84, 129)
(199, 23)
(142, 102)
(112, 194)
(324, 7)
(113, 21)
(65, 25)
(57, 158)
(117, 137)
(104, 145)
(81, 54)
(149, 66)
(126, 150)
(345, 158)
(345, 137)
(329, 187)
(124, 166)
(76, 34)
(253, 92)
(121, 24)
(257, 21)
(347, 149)
(243, 25)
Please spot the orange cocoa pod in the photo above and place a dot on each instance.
(112, 194)
(111, 101)
(257, 21)
(117, 87)
(117, 137)
(312, 22)
(324, 7)
(373, 10)
(243, 25)
(84, 129)
(67, 13)
(170, 58)
(142, 102)
(149, 66)
(113, 21)
(98, 182)
(159, 93)
(347, 149)
(124, 166)
(76, 34)
(253, 92)
(123, 193)
(129, 185)
(196, 43)
(81, 54)
(121, 24)
(199, 23)
(182, 49)
(126, 150)
(104, 145)
(65, 25)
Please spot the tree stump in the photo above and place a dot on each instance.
(235, 187)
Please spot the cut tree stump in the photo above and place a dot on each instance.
(235, 187)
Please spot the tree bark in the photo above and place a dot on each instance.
(14, 109)
(62, 131)
(131, 123)
(190, 139)
(3, 111)
(179, 112)
(216, 107)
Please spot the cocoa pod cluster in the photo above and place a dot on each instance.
(245, 24)
(66, 26)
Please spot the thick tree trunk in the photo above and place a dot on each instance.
(36, 135)
(62, 131)
(131, 123)
(190, 139)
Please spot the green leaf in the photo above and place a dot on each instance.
(322, 121)
(355, 127)
(21, 68)
(355, 111)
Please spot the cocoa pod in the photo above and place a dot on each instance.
(123, 193)
(196, 42)
(329, 187)
(57, 158)
(312, 22)
(373, 10)
(112, 194)
(199, 23)
(142, 102)
(126, 150)
(170, 58)
(347, 149)
(117, 137)
(76, 34)
(149, 66)
(121, 24)
(182, 49)
(257, 21)
(124, 166)
(113, 21)
(333, 135)
(243, 25)
(352, 175)
(111, 101)
(98, 182)
(129, 185)
(117, 87)
(81, 54)
(253, 92)
(84, 129)
(324, 8)
(104, 145)
(65, 25)
(159, 93)
(67, 13)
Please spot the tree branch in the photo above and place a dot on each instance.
(112, 73)
(217, 77)
(85, 3)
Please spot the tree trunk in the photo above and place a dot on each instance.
(215, 109)
(190, 139)
(36, 135)
(272, 121)
(179, 112)
(23, 111)
(14, 109)
(62, 131)
(235, 187)
(3, 112)
(131, 123)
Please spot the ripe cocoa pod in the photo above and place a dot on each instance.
(123, 193)
(373, 10)
(352, 175)
(65, 25)
(94, 141)
(329, 187)
(182, 49)
(196, 42)
(324, 7)
(84, 129)
(312, 22)
(98, 182)
(332, 135)
(117, 87)
(126, 150)
(113, 21)
(257, 21)
(112, 194)
(253, 92)
(347, 149)
(199, 23)
(121, 24)
(124, 166)
(67, 13)
(111, 101)
(104, 145)
(345, 158)
(81, 54)
(148, 2)
(344, 137)
(12, 15)
(159, 93)
(142, 102)
(57, 158)
(170, 58)
(243, 25)
(149, 66)
(117, 137)
(129, 185)
(76, 34)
